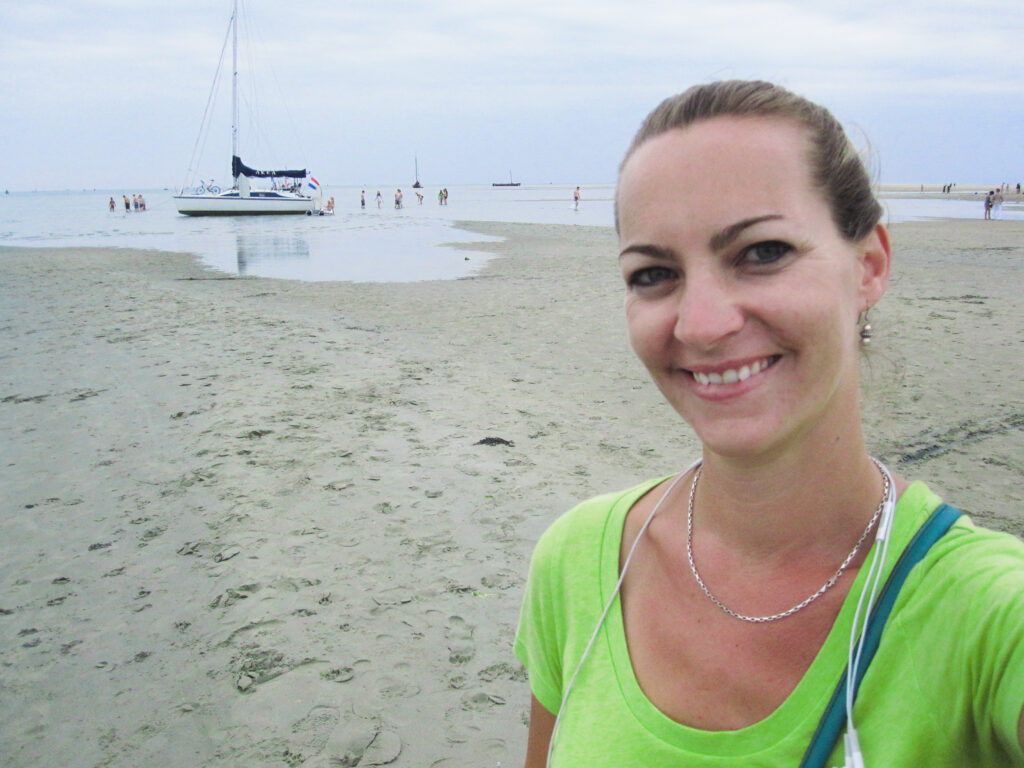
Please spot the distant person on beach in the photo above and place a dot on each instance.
(712, 617)
(997, 203)
(113, 206)
(988, 203)
(380, 198)
(576, 199)
(445, 198)
(127, 204)
(419, 196)
(362, 199)
(398, 198)
(135, 202)
(330, 205)
(142, 202)
(440, 197)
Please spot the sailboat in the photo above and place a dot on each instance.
(508, 183)
(286, 194)
(416, 184)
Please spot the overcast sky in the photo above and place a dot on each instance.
(109, 94)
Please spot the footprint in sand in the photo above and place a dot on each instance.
(503, 671)
(339, 674)
(362, 743)
(459, 636)
(481, 701)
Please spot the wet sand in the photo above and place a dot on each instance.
(260, 522)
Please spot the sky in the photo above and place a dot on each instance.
(110, 94)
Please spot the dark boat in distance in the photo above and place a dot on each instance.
(417, 184)
(508, 183)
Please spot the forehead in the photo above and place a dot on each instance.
(751, 159)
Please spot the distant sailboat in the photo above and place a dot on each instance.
(417, 184)
(508, 183)
(241, 199)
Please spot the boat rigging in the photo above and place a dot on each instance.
(287, 193)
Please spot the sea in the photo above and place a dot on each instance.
(372, 244)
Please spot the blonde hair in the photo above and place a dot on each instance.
(836, 167)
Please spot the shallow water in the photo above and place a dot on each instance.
(362, 245)
(938, 207)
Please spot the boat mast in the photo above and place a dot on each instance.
(234, 81)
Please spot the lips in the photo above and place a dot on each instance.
(732, 375)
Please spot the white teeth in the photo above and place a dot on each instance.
(732, 375)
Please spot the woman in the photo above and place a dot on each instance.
(751, 251)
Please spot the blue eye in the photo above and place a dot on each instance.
(767, 252)
(650, 276)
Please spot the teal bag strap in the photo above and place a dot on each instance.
(834, 719)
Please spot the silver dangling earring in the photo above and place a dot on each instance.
(864, 328)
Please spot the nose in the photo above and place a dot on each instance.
(708, 311)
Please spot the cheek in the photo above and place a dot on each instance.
(649, 328)
(825, 337)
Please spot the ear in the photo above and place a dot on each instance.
(875, 263)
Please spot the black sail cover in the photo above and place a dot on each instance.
(238, 168)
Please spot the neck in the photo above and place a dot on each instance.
(809, 499)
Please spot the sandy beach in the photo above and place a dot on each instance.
(270, 523)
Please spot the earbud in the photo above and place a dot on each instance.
(851, 750)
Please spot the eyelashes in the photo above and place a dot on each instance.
(648, 277)
(766, 252)
(763, 256)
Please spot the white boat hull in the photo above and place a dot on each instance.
(232, 204)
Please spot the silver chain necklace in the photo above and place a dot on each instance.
(824, 588)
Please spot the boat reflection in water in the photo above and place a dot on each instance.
(272, 255)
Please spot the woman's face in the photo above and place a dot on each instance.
(741, 295)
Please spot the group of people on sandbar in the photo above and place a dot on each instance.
(994, 203)
(137, 202)
(994, 200)
(442, 198)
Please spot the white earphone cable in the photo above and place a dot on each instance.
(608, 607)
(872, 582)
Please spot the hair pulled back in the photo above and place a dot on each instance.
(836, 167)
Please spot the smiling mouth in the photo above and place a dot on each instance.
(733, 375)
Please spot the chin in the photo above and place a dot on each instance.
(740, 437)
(737, 447)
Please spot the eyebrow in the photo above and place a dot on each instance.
(719, 240)
(722, 238)
(654, 251)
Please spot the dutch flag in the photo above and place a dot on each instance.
(313, 183)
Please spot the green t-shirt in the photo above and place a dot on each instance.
(946, 687)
